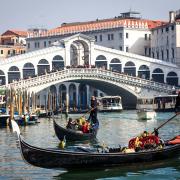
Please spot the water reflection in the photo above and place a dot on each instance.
(115, 128)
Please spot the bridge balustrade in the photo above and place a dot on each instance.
(86, 73)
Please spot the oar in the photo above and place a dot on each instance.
(88, 112)
(165, 122)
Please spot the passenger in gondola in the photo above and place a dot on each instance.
(85, 127)
(177, 105)
(71, 124)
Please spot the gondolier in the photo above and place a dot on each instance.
(93, 114)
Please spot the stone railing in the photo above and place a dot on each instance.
(90, 73)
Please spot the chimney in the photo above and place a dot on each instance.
(171, 16)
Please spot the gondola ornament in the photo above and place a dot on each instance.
(15, 127)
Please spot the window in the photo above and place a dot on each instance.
(157, 53)
(149, 51)
(162, 30)
(145, 51)
(44, 43)
(127, 49)
(172, 28)
(120, 35)
(100, 37)
(95, 38)
(109, 37)
(35, 44)
(162, 54)
(28, 45)
(120, 48)
(149, 36)
(167, 54)
(1, 51)
(8, 51)
(112, 36)
(127, 35)
(172, 53)
(49, 42)
(38, 44)
(145, 36)
(153, 54)
(167, 29)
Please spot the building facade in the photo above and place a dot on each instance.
(165, 42)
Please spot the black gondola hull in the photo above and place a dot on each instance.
(72, 135)
(49, 158)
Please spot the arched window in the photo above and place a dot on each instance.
(144, 72)
(28, 70)
(172, 78)
(43, 67)
(2, 78)
(13, 74)
(130, 68)
(57, 63)
(115, 65)
(101, 62)
(158, 75)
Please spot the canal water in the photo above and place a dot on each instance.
(115, 129)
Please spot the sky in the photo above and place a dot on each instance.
(24, 14)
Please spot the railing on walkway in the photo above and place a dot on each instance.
(90, 73)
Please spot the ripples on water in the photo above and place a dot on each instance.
(115, 128)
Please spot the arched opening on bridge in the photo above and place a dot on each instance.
(53, 97)
(172, 78)
(13, 74)
(82, 96)
(62, 96)
(144, 72)
(43, 67)
(73, 56)
(101, 62)
(79, 53)
(130, 68)
(28, 70)
(57, 63)
(115, 65)
(72, 96)
(2, 78)
(158, 75)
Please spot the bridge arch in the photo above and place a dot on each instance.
(62, 95)
(158, 75)
(115, 65)
(2, 78)
(72, 95)
(43, 67)
(28, 70)
(101, 62)
(144, 72)
(13, 74)
(172, 78)
(57, 63)
(130, 68)
(82, 96)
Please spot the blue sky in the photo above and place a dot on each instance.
(24, 14)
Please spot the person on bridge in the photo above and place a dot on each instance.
(93, 114)
(177, 105)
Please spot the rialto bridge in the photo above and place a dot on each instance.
(75, 65)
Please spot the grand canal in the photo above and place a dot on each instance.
(115, 129)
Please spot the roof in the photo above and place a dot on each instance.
(105, 24)
(15, 32)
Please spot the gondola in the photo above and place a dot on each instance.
(72, 135)
(53, 158)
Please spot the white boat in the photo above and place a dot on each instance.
(145, 108)
(110, 104)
